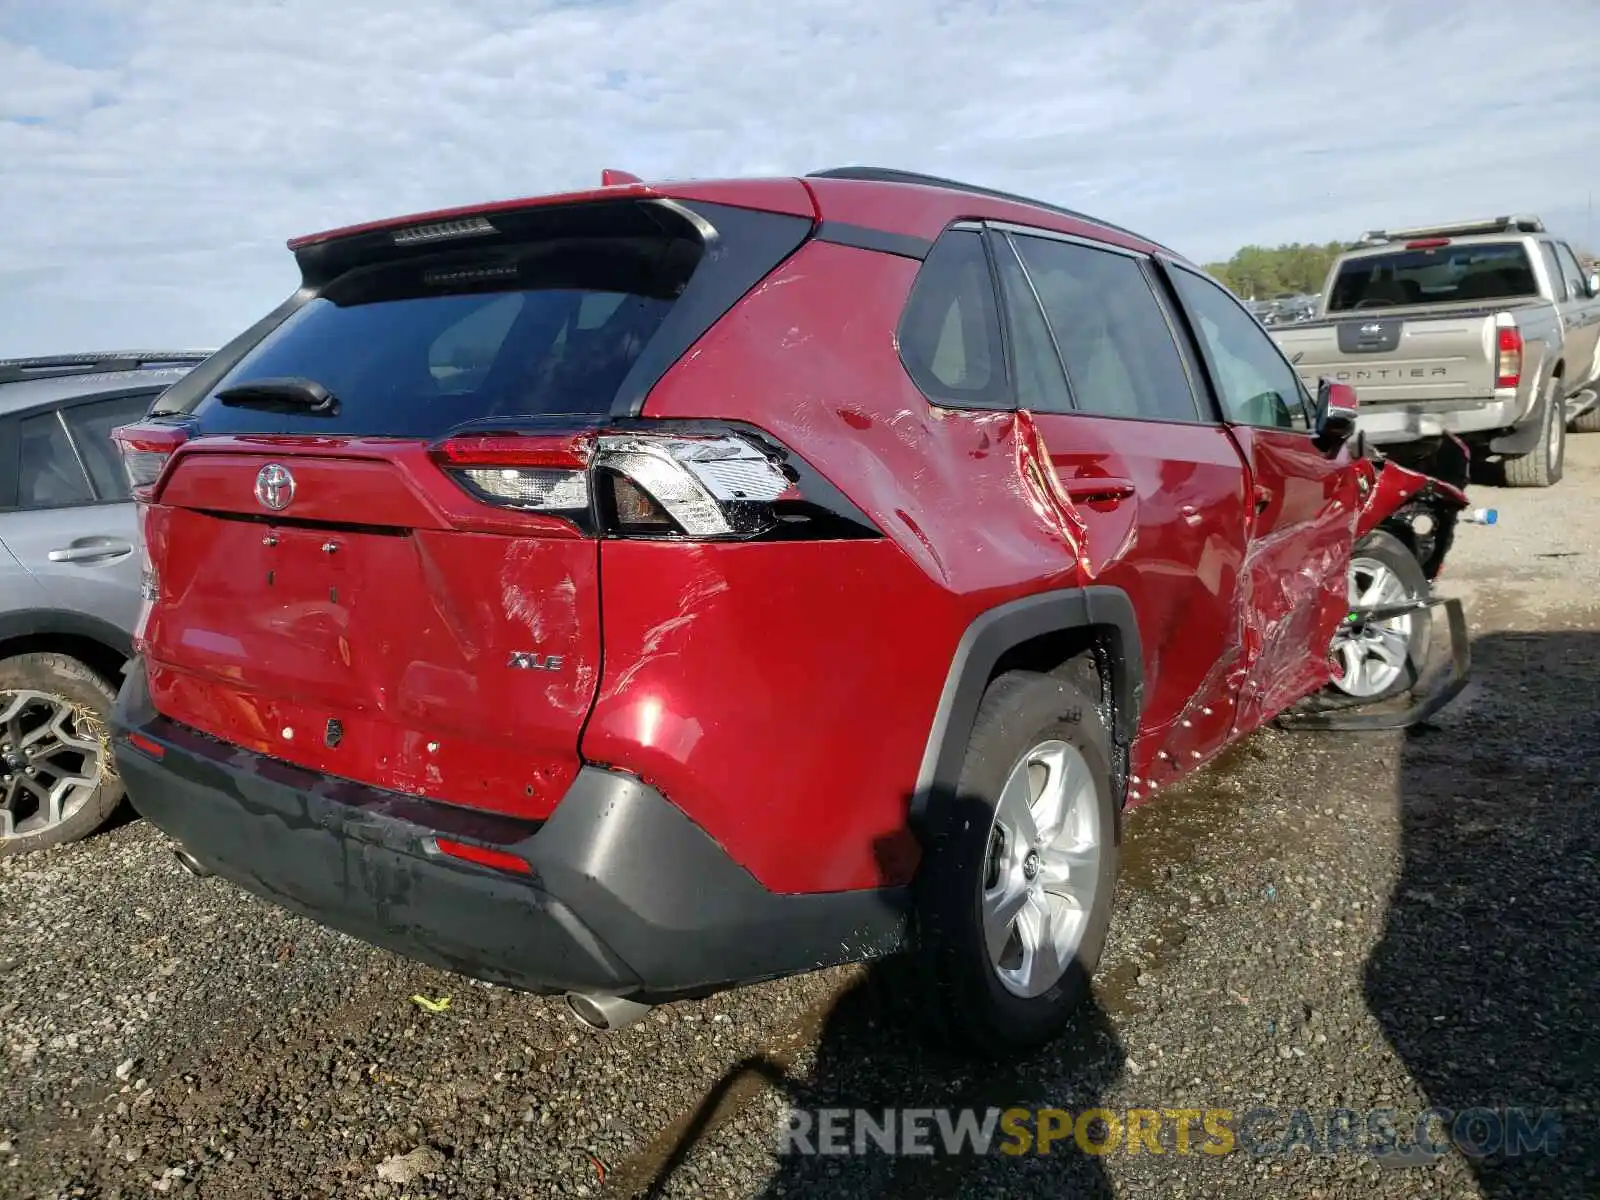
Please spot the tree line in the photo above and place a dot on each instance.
(1262, 272)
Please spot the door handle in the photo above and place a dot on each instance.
(1263, 498)
(95, 551)
(1102, 488)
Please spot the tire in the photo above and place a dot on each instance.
(29, 685)
(959, 996)
(1542, 466)
(1586, 422)
(1381, 550)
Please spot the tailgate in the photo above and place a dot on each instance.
(1397, 359)
(367, 639)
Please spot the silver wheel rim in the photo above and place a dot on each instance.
(1043, 867)
(1370, 655)
(49, 764)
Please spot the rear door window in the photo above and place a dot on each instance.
(91, 426)
(1485, 271)
(51, 475)
(1118, 350)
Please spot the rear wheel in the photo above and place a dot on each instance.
(1542, 466)
(57, 780)
(1015, 891)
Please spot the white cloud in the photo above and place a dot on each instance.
(152, 174)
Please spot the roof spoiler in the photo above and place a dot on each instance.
(57, 366)
(1519, 223)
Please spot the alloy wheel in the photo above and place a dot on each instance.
(1044, 865)
(1371, 655)
(51, 762)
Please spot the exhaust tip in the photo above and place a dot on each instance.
(605, 1013)
(191, 864)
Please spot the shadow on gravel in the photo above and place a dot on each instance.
(869, 1056)
(1487, 978)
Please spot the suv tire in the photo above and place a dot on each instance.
(1542, 466)
(1381, 551)
(962, 993)
(68, 683)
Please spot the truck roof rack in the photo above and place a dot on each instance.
(892, 175)
(57, 366)
(1516, 223)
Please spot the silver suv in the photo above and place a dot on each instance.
(69, 583)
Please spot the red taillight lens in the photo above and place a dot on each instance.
(1508, 368)
(483, 856)
(146, 449)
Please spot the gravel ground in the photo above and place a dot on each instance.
(1320, 920)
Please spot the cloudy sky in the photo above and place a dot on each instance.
(154, 154)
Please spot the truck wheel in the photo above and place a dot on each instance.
(57, 779)
(1542, 465)
(1015, 891)
(1588, 421)
(1373, 660)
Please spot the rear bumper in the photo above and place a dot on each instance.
(626, 896)
(1402, 422)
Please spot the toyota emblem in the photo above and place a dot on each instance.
(274, 487)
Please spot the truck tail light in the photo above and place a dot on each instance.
(683, 481)
(1508, 369)
(146, 450)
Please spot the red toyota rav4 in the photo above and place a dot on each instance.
(639, 592)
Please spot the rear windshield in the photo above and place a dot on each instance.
(1446, 274)
(413, 349)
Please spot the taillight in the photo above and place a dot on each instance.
(1508, 367)
(705, 482)
(1427, 243)
(146, 449)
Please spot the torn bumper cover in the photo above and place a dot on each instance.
(1426, 701)
(625, 895)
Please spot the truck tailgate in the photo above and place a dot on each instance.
(1392, 359)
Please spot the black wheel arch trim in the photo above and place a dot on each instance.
(43, 622)
(1000, 629)
(1521, 439)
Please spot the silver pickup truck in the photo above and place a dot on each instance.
(1489, 330)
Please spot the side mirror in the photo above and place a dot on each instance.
(1336, 415)
(1591, 286)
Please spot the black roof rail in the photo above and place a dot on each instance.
(892, 175)
(58, 366)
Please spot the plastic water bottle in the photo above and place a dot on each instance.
(1480, 516)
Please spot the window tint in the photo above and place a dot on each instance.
(1571, 272)
(415, 347)
(950, 333)
(1474, 271)
(1113, 337)
(1254, 383)
(1552, 265)
(91, 426)
(1041, 384)
(50, 476)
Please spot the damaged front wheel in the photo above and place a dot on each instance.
(1374, 659)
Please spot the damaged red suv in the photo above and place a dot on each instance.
(639, 592)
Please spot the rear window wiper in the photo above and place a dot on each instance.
(290, 393)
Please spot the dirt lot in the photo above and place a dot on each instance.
(1326, 921)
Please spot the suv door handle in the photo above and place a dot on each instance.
(91, 550)
(1263, 498)
(1102, 488)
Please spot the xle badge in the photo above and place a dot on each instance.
(526, 660)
